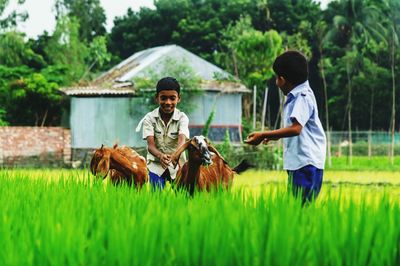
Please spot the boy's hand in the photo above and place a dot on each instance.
(266, 140)
(254, 138)
(165, 160)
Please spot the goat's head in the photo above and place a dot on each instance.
(100, 163)
(199, 151)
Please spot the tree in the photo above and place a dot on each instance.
(65, 48)
(30, 98)
(393, 10)
(14, 51)
(356, 27)
(195, 25)
(89, 14)
(249, 54)
(10, 20)
(321, 29)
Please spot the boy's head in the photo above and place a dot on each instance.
(291, 69)
(168, 94)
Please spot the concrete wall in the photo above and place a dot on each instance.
(35, 147)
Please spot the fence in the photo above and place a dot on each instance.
(364, 143)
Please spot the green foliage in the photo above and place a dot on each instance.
(354, 38)
(3, 122)
(208, 123)
(89, 14)
(195, 25)
(362, 164)
(297, 41)
(65, 48)
(184, 74)
(15, 52)
(262, 157)
(66, 217)
(249, 53)
(225, 147)
(98, 51)
(12, 18)
(30, 98)
(361, 149)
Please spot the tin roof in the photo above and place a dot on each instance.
(118, 80)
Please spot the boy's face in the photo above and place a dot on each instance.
(282, 84)
(168, 99)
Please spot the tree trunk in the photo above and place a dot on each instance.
(264, 109)
(44, 118)
(371, 119)
(328, 135)
(254, 107)
(393, 99)
(349, 103)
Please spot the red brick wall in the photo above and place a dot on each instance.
(35, 146)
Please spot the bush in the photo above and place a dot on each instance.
(361, 149)
(262, 157)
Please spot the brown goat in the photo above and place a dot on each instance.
(121, 164)
(204, 170)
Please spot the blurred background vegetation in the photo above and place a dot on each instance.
(352, 47)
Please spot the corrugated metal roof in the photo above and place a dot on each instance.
(224, 86)
(116, 89)
(139, 63)
(219, 86)
(116, 79)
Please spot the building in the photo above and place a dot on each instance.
(108, 109)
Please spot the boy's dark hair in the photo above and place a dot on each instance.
(168, 84)
(292, 65)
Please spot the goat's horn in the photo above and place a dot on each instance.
(214, 150)
(178, 152)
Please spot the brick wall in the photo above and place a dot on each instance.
(35, 147)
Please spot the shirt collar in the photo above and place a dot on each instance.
(299, 88)
(175, 116)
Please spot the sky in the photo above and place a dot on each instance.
(42, 15)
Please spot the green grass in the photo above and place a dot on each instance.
(380, 163)
(65, 218)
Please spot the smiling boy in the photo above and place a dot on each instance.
(165, 129)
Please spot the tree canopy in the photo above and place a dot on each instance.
(352, 47)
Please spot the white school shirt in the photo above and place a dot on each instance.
(310, 146)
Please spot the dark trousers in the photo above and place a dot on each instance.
(158, 182)
(306, 182)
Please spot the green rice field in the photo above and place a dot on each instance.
(65, 217)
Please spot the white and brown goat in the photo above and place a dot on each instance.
(206, 168)
(122, 164)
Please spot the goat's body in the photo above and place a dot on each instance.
(122, 164)
(192, 175)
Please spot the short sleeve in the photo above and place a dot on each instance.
(302, 110)
(184, 125)
(148, 128)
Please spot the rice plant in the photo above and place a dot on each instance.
(64, 217)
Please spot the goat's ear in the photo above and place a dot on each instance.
(178, 152)
(214, 150)
(115, 146)
(93, 163)
(103, 166)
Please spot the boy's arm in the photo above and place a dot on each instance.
(256, 138)
(165, 159)
(181, 140)
(148, 135)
